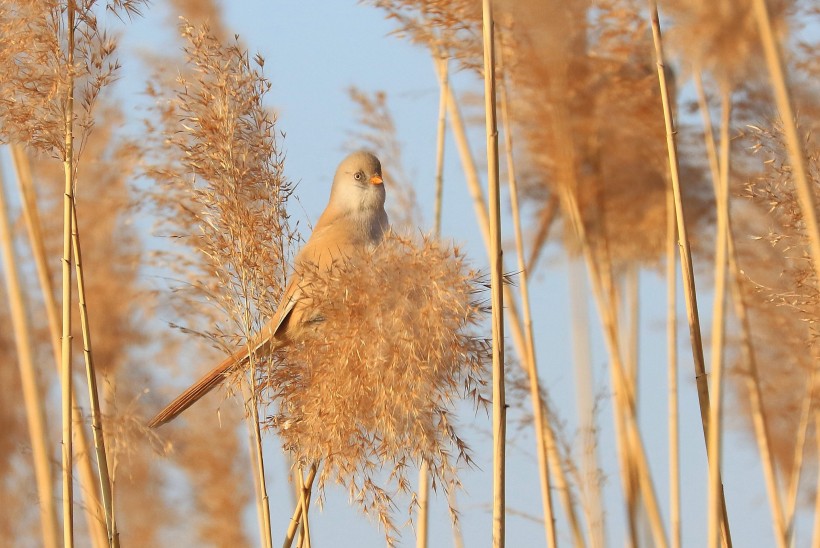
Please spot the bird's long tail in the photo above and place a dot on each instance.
(204, 385)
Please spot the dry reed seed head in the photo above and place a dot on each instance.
(721, 36)
(223, 190)
(37, 76)
(371, 384)
(590, 113)
(779, 284)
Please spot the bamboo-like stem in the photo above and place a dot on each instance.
(685, 254)
(531, 364)
(629, 439)
(424, 493)
(761, 428)
(33, 401)
(797, 458)
(442, 65)
(458, 541)
(672, 351)
(93, 394)
(805, 194)
(585, 401)
(497, 282)
(513, 317)
(815, 537)
(304, 502)
(95, 521)
(258, 462)
(65, 362)
(296, 518)
(545, 220)
(719, 325)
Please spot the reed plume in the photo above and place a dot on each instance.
(371, 387)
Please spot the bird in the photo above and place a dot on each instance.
(353, 220)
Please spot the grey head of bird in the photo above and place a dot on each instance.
(358, 193)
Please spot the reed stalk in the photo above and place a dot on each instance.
(423, 501)
(752, 378)
(672, 352)
(798, 454)
(68, 204)
(629, 436)
(719, 324)
(686, 256)
(531, 364)
(585, 401)
(95, 520)
(496, 281)
(513, 316)
(258, 463)
(296, 518)
(32, 399)
(815, 538)
(93, 395)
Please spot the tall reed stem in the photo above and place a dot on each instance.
(513, 317)
(93, 395)
(752, 377)
(685, 253)
(497, 281)
(672, 351)
(95, 520)
(33, 400)
(68, 201)
(719, 325)
(532, 367)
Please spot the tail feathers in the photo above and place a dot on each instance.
(200, 388)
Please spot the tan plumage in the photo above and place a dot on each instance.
(353, 219)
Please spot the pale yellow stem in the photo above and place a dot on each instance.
(95, 521)
(690, 293)
(496, 284)
(65, 362)
(32, 399)
(672, 351)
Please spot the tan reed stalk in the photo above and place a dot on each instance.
(797, 458)
(304, 501)
(442, 65)
(517, 332)
(719, 322)
(458, 541)
(33, 400)
(632, 302)
(548, 215)
(531, 365)
(93, 508)
(257, 460)
(497, 283)
(424, 493)
(805, 194)
(585, 401)
(815, 538)
(629, 439)
(685, 254)
(296, 518)
(93, 394)
(761, 428)
(66, 377)
(672, 344)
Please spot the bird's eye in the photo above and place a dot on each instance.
(358, 176)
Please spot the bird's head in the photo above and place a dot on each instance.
(358, 183)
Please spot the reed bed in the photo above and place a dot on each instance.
(644, 145)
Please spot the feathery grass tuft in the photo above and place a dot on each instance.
(373, 383)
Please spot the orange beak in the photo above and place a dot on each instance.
(376, 180)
